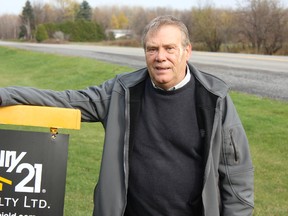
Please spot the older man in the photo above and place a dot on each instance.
(174, 144)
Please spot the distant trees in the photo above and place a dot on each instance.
(73, 24)
(255, 26)
(119, 21)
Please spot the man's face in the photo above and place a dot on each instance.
(165, 56)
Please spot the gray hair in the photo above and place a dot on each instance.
(160, 21)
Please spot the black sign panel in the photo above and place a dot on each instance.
(32, 173)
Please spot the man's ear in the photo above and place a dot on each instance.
(188, 51)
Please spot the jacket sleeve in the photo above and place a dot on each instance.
(235, 169)
(93, 102)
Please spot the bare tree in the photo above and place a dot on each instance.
(208, 27)
(276, 31)
(66, 9)
(263, 24)
(38, 12)
(186, 17)
(102, 16)
(9, 26)
(45, 13)
(49, 14)
(139, 20)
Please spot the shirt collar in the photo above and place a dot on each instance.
(179, 85)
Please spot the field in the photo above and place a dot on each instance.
(265, 122)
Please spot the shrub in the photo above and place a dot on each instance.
(81, 30)
(41, 33)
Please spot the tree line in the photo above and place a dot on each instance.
(255, 26)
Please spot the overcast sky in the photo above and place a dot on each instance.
(16, 6)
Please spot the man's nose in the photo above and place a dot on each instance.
(161, 55)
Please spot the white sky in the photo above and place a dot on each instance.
(16, 6)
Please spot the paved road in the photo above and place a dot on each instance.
(266, 76)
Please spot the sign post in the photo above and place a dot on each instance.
(33, 164)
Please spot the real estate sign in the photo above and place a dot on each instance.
(32, 173)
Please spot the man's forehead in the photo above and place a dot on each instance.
(169, 37)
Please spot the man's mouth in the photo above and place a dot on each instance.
(162, 68)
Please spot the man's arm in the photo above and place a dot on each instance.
(93, 102)
(235, 169)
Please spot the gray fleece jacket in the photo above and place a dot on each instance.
(229, 176)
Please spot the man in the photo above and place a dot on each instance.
(174, 144)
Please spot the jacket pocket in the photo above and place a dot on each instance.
(236, 150)
(231, 149)
(238, 164)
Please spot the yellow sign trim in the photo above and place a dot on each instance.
(40, 116)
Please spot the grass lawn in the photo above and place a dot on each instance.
(265, 122)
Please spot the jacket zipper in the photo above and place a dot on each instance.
(234, 146)
(126, 149)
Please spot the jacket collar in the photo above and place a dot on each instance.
(211, 83)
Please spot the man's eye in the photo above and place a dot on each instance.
(170, 49)
(151, 50)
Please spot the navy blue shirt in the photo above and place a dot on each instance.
(166, 165)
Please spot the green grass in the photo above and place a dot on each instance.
(265, 122)
(266, 125)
